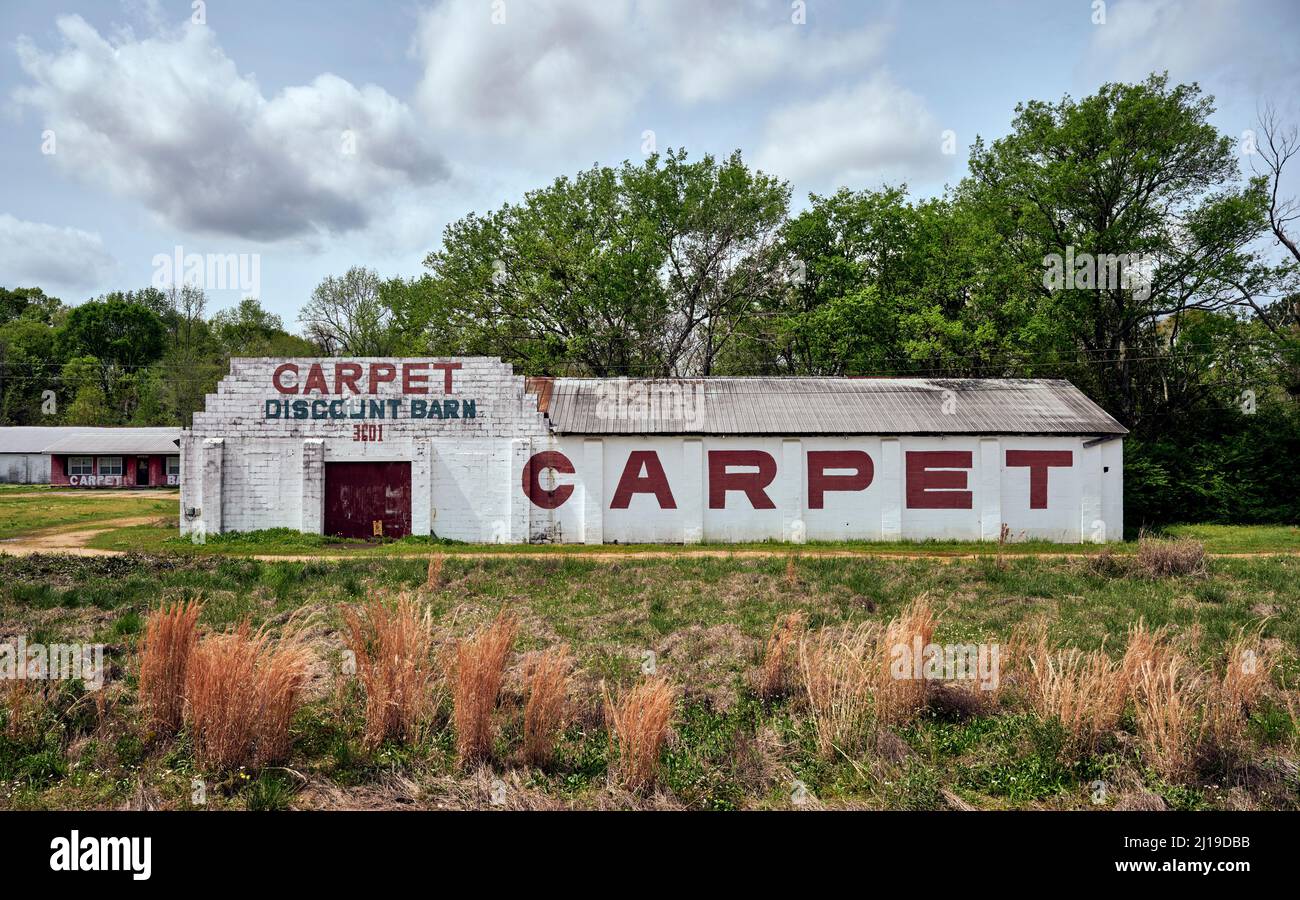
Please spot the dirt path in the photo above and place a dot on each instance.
(73, 542)
(69, 541)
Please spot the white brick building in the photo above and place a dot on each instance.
(465, 449)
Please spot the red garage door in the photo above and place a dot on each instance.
(359, 494)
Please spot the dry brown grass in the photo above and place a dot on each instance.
(241, 691)
(1170, 558)
(1229, 700)
(638, 726)
(849, 680)
(393, 646)
(434, 576)
(1166, 702)
(547, 676)
(22, 698)
(1086, 691)
(170, 635)
(898, 700)
(776, 677)
(791, 575)
(480, 664)
(839, 669)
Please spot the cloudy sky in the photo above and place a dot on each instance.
(319, 134)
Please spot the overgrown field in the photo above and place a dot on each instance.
(766, 672)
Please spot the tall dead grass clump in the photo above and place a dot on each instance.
(433, 577)
(1165, 703)
(1228, 701)
(547, 676)
(241, 692)
(776, 677)
(638, 726)
(899, 695)
(170, 635)
(1170, 558)
(839, 669)
(480, 664)
(22, 698)
(1145, 648)
(393, 649)
(1085, 691)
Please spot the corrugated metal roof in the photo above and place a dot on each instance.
(822, 406)
(43, 439)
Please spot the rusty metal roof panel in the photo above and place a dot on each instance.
(795, 406)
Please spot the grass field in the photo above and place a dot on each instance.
(705, 621)
(26, 508)
(703, 618)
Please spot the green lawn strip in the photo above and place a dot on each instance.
(25, 515)
(154, 539)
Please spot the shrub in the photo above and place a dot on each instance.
(838, 671)
(638, 726)
(480, 665)
(241, 693)
(546, 686)
(1168, 559)
(170, 635)
(393, 649)
(774, 679)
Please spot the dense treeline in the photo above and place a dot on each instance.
(127, 358)
(1119, 241)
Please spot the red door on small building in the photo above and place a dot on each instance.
(360, 494)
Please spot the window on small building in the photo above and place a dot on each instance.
(81, 465)
(110, 465)
(173, 465)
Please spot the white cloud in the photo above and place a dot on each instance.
(874, 131)
(563, 69)
(1189, 38)
(170, 121)
(36, 254)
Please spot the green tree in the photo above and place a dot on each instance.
(646, 269)
(1135, 171)
(345, 315)
(122, 338)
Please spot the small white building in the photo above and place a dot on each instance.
(465, 449)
